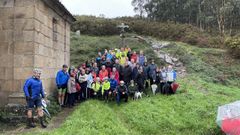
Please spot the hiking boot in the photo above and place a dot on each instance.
(42, 122)
(31, 123)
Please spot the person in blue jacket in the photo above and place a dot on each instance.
(34, 93)
(62, 81)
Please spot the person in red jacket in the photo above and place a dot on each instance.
(115, 73)
(103, 73)
(134, 56)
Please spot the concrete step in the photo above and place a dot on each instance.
(17, 98)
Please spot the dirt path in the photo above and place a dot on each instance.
(55, 123)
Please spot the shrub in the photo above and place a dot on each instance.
(233, 44)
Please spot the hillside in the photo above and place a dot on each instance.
(212, 80)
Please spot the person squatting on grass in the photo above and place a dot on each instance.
(122, 92)
(34, 93)
(62, 82)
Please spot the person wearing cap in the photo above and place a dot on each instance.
(122, 92)
(33, 90)
(105, 88)
(62, 82)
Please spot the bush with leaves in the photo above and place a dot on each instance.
(233, 43)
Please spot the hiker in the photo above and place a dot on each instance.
(33, 90)
(83, 84)
(95, 68)
(96, 88)
(132, 89)
(152, 72)
(62, 81)
(115, 73)
(119, 69)
(141, 58)
(72, 89)
(171, 77)
(89, 83)
(98, 59)
(134, 56)
(105, 89)
(159, 79)
(113, 85)
(135, 69)
(109, 65)
(103, 73)
(127, 74)
(123, 59)
(122, 92)
(140, 78)
(146, 75)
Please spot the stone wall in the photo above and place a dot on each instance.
(26, 42)
(50, 55)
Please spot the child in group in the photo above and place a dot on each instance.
(132, 89)
(105, 89)
(96, 87)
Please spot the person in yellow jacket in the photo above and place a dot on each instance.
(123, 60)
(105, 89)
(118, 54)
(96, 87)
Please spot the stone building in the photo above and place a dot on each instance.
(33, 34)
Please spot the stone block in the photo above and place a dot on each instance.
(18, 61)
(24, 24)
(39, 61)
(7, 24)
(7, 85)
(6, 60)
(18, 84)
(6, 13)
(4, 48)
(6, 3)
(24, 3)
(28, 36)
(39, 15)
(6, 35)
(28, 61)
(8, 73)
(24, 12)
(22, 73)
(2, 73)
(24, 48)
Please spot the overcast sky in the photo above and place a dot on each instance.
(110, 8)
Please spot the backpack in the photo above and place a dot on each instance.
(174, 87)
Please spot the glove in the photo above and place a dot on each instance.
(28, 98)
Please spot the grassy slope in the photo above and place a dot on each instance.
(191, 111)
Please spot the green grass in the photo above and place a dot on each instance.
(192, 111)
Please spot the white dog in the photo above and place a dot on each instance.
(138, 95)
(154, 88)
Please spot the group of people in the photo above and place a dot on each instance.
(114, 74)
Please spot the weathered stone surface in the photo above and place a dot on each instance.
(24, 12)
(22, 73)
(6, 60)
(24, 48)
(24, 3)
(24, 24)
(6, 3)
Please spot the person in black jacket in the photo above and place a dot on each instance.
(122, 92)
(140, 78)
(159, 80)
(127, 74)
